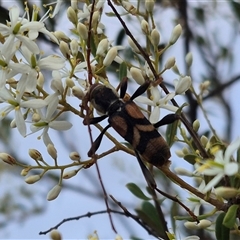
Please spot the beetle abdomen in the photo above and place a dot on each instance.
(132, 125)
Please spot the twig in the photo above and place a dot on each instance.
(219, 205)
(89, 214)
(175, 199)
(128, 214)
(89, 128)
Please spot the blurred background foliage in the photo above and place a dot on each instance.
(211, 32)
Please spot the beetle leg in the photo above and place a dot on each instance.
(147, 174)
(97, 142)
(143, 88)
(94, 120)
(168, 119)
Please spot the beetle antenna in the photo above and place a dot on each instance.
(123, 87)
(168, 119)
(140, 90)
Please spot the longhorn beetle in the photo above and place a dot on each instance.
(127, 120)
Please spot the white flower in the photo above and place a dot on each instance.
(196, 202)
(15, 102)
(157, 102)
(6, 55)
(17, 28)
(221, 165)
(35, 65)
(57, 8)
(48, 121)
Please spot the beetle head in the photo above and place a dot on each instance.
(102, 97)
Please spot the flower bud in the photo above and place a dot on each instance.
(176, 33)
(72, 16)
(145, 27)
(74, 156)
(137, 75)
(193, 237)
(52, 151)
(82, 30)
(148, 71)
(13, 123)
(155, 37)
(74, 4)
(56, 85)
(149, 5)
(180, 153)
(95, 19)
(204, 86)
(133, 45)
(204, 223)
(7, 158)
(118, 237)
(182, 85)
(36, 117)
(204, 140)
(70, 83)
(54, 192)
(35, 154)
(112, 53)
(62, 36)
(226, 192)
(74, 47)
(32, 179)
(63, 46)
(40, 80)
(183, 172)
(185, 151)
(196, 125)
(25, 171)
(175, 69)
(129, 7)
(70, 174)
(170, 63)
(102, 47)
(55, 235)
(191, 225)
(189, 59)
(78, 92)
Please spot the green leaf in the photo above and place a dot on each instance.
(122, 71)
(136, 191)
(171, 133)
(200, 14)
(190, 158)
(221, 232)
(230, 218)
(93, 45)
(120, 37)
(236, 8)
(149, 216)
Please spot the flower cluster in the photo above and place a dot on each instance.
(87, 56)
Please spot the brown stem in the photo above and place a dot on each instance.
(219, 205)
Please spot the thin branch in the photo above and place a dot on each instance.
(89, 128)
(128, 214)
(89, 214)
(219, 205)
